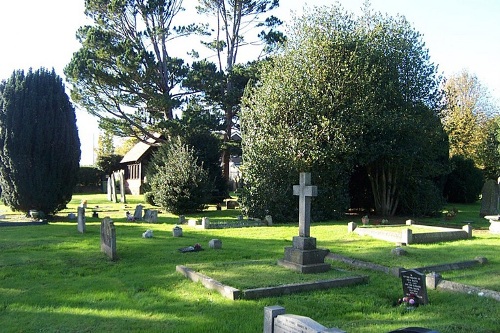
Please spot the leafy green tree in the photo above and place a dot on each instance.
(123, 73)
(468, 108)
(40, 148)
(105, 144)
(233, 19)
(489, 150)
(347, 91)
(109, 163)
(180, 185)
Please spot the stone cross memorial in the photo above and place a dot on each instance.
(108, 238)
(305, 191)
(303, 256)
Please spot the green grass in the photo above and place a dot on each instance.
(54, 279)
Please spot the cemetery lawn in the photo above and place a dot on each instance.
(54, 279)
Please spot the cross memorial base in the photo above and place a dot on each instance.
(304, 257)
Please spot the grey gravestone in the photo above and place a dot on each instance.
(303, 256)
(147, 234)
(151, 215)
(276, 321)
(81, 219)
(177, 231)
(138, 213)
(108, 238)
(489, 198)
(215, 244)
(182, 219)
(414, 283)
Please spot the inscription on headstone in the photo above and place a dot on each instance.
(276, 321)
(414, 283)
(108, 238)
(81, 219)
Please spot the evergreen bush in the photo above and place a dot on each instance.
(180, 185)
(465, 182)
(39, 143)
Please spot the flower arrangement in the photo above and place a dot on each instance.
(410, 302)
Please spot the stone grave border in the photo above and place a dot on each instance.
(21, 224)
(199, 224)
(406, 236)
(433, 280)
(256, 293)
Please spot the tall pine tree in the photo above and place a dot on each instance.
(39, 144)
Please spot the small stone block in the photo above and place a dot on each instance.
(215, 244)
(270, 313)
(351, 226)
(304, 243)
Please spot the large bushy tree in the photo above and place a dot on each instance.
(465, 117)
(347, 91)
(124, 72)
(39, 144)
(231, 20)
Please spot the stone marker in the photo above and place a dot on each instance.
(269, 220)
(147, 234)
(151, 215)
(277, 321)
(215, 244)
(177, 231)
(138, 213)
(414, 283)
(303, 256)
(489, 198)
(182, 219)
(232, 204)
(81, 219)
(205, 222)
(108, 238)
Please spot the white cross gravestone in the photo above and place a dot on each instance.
(303, 256)
(305, 191)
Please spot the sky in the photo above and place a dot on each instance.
(460, 34)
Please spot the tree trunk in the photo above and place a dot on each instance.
(383, 180)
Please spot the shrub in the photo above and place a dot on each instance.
(465, 181)
(179, 184)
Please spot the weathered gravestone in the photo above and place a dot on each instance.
(277, 321)
(151, 215)
(108, 238)
(138, 213)
(303, 256)
(81, 219)
(489, 198)
(414, 284)
(215, 244)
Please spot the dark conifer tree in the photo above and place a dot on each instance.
(39, 144)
